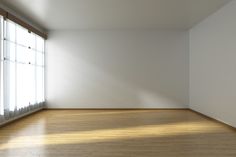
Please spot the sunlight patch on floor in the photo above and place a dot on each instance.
(81, 137)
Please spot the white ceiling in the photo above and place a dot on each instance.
(115, 14)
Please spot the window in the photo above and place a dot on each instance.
(1, 68)
(22, 69)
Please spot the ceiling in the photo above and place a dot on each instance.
(115, 14)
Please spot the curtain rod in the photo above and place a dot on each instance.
(17, 20)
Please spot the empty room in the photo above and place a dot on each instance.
(117, 78)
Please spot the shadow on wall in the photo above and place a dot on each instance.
(88, 73)
(92, 86)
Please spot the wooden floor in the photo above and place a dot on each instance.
(117, 133)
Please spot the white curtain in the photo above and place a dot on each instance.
(22, 70)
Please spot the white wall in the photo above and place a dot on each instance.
(117, 69)
(213, 65)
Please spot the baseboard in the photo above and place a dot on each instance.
(213, 119)
(20, 117)
(37, 110)
(116, 108)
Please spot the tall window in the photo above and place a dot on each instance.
(1, 69)
(22, 69)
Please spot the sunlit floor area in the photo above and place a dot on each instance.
(117, 133)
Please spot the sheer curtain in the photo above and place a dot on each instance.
(22, 70)
(1, 70)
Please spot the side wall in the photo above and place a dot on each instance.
(117, 69)
(213, 65)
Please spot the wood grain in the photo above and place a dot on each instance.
(117, 133)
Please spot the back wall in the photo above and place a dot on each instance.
(117, 69)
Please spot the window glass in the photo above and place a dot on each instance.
(40, 89)
(12, 86)
(22, 36)
(31, 84)
(40, 44)
(32, 40)
(1, 66)
(11, 31)
(23, 67)
(22, 54)
(11, 51)
(40, 58)
(22, 86)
